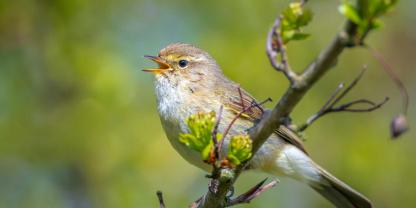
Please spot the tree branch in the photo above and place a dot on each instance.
(325, 60)
(271, 120)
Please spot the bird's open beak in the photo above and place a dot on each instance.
(163, 66)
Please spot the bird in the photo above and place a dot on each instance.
(188, 80)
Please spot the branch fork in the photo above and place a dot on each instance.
(337, 96)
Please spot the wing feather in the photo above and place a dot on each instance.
(236, 102)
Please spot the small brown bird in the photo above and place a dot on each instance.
(189, 81)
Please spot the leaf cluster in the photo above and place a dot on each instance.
(366, 13)
(294, 18)
(239, 149)
(199, 138)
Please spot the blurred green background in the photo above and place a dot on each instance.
(78, 119)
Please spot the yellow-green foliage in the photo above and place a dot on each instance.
(293, 19)
(239, 149)
(366, 16)
(199, 138)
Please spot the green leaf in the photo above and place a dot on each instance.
(300, 36)
(350, 12)
(296, 8)
(233, 160)
(305, 18)
(199, 137)
(294, 35)
(294, 18)
(288, 35)
(289, 20)
(376, 24)
(380, 7)
(367, 17)
(205, 153)
(239, 149)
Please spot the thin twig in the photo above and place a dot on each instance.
(160, 197)
(241, 96)
(283, 55)
(393, 76)
(254, 104)
(275, 46)
(245, 109)
(214, 134)
(336, 97)
(252, 193)
(346, 107)
(350, 86)
(272, 46)
(328, 104)
(331, 99)
(259, 105)
(196, 203)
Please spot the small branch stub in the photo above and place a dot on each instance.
(160, 197)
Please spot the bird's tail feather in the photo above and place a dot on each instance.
(295, 163)
(339, 193)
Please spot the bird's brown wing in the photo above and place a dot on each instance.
(291, 137)
(241, 99)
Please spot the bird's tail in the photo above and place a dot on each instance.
(339, 193)
(295, 163)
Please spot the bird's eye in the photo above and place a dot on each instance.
(183, 63)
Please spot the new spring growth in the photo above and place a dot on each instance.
(239, 149)
(293, 19)
(366, 16)
(199, 138)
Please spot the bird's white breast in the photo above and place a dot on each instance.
(173, 109)
(168, 99)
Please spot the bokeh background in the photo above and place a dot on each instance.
(78, 119)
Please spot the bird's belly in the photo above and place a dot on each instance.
(172, 130)
(264, 159)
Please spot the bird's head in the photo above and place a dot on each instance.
(183, 61)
